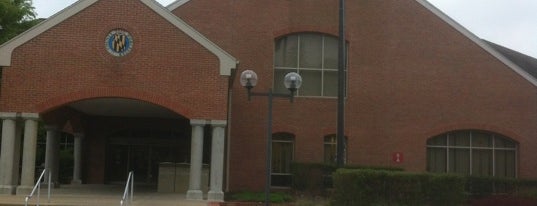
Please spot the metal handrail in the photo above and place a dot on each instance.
(128, 194)
(37, 188)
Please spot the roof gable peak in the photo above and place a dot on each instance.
(227, 62)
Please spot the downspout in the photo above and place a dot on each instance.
(230, 97)
(229, 120)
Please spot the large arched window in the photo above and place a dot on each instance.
(472, 152)
(282, 156)
(314, 56)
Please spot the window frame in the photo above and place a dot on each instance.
(323, 70)
(282, 138)
(333, 143)
(448, 146)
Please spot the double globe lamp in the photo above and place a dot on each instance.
(292, 82)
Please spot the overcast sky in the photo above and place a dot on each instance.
(511, 23)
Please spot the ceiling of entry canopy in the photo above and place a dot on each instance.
(121, 107)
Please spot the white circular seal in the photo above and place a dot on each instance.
(118, 42)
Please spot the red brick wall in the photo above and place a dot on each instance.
(411, 76)
(69, 62)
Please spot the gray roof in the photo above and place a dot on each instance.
(525, 62)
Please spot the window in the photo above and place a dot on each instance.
(330, 149)
(314, 56)
(282, 155)
(472, 152)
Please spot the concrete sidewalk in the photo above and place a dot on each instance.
(101, 195)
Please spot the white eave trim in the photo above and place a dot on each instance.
(227, 62)
(7, 48)
(479, 42)
(176, 4)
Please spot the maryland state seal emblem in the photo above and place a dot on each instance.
(118, 42)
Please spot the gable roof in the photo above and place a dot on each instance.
(227, 62)
(527, 63)
(176, 4)
(484, 45)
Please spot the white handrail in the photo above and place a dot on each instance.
(128, 194)
(37, 188)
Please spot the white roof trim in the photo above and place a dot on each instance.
(227, 62)
(176, 4)
(478, 41)
(7, 48)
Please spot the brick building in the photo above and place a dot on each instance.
(137, 84)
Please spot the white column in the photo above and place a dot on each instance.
(77, 155)
(19, 127)
(196, 157)
(52, 153)
(7, 155)
(217, 161)
(29, 155)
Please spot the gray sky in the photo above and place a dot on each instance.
(510, 23)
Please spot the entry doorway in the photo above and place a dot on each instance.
(143, 154)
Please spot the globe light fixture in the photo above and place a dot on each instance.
(292, 81)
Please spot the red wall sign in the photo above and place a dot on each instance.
(397, 157)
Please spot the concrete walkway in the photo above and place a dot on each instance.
(101, 195)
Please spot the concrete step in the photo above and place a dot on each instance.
(101, 195)
(89, 200)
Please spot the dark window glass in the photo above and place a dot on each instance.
(472, 152)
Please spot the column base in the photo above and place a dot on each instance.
(217, 196)
(24, 190)
(76, 182)
(194, 195)
(7, 189)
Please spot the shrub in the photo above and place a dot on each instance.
(480, 186)
(445, 189)
(379, 187)
(310, 177)
(527, 188)
(316, 178)
(275, 197)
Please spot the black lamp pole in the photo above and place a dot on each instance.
(341, 88)
(294, 84)
(270, 94)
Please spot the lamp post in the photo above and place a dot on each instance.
(292, 81)
(341, 88)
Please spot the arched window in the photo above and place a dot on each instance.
(314, 56)
(283, 145)
(472, 152)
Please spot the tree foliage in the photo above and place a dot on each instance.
(16, 16)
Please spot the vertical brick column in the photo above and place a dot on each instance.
(196, 157)
(217, 160)
(7, 155)
(29, 155)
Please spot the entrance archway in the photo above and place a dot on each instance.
(119, 135)
(116, 135)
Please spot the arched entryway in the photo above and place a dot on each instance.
(103, 124)
(113, 136)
